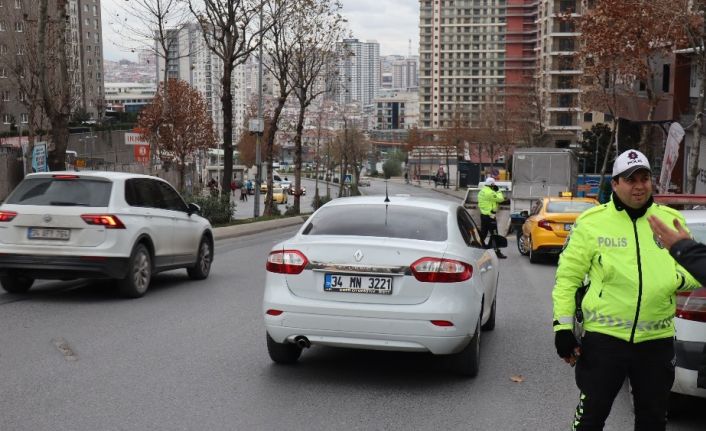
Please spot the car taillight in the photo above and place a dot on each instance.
(108, 220)
(435, 270)
(286, 262)
(692, 305)
(7, 215)
(544, 224)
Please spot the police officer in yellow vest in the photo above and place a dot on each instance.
(489, 198)
(628, 306)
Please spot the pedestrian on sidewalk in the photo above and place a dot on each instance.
(244, 193)
(489, 199)
(233, 186)
(628, 307)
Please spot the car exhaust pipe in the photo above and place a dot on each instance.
(302, 342)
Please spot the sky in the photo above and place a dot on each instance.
(389, 22)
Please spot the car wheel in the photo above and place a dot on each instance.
(533, 256)
(202, 267)
(139, 273)
(489, 325)
(283, 353)
(467, 361)
(522, 244)
(16, 284)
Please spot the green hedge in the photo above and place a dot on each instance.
(217, 211)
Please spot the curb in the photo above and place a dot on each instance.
(238, 230)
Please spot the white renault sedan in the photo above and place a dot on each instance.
(65, 225)
(408, 274)
(690, 323)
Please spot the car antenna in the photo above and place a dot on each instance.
(387, 197)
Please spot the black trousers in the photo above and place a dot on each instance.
(488, 225)
(601, 370)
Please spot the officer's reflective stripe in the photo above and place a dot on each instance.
(616, 322)
(565, 320)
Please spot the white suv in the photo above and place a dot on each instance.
(66, 225)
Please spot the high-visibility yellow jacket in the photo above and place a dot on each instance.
(488, 200)
(633, 279)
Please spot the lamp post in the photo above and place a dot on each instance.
(258, 128)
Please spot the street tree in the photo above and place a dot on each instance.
(54, 82)
(179, 133)
(278, 47)
(154, 25)
(317, 26)
(633, 37)
(231, 32)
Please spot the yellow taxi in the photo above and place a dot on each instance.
(548, 224)
(279, 196)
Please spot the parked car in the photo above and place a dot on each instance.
(279, 196)
(408, 274)
(690, 322)
(127, 227)
(364, 182)
(548, 224)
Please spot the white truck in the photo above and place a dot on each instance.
(540, 172)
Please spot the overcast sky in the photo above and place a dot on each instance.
(390, 22)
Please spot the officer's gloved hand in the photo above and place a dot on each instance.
(565, 343)
(494, 187)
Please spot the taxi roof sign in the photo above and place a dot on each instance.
(565, 194)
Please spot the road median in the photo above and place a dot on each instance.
(243, 229)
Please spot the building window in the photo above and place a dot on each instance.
(19, 27)
(3, 73)
(3, 49)
(2, 25)
(18, 4)
(7, 118)
(665, 78)
(588, 117)
(6, 95)
(23, 96)
(24, 118)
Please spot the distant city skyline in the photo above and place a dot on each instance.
(392, 23)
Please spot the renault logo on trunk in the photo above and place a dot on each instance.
(358, 255)
(46, 218)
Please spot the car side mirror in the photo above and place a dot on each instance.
(194, 209)
(499, 241)
(524, 213)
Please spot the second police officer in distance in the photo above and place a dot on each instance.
(629, 305)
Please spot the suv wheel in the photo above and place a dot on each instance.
(283, 353)
(139, 273)
(16, 284)
(202, 267)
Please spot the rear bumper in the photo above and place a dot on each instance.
(61, 267)
(689, 354)
(366, 333)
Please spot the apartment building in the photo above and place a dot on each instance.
(559, 71)
(462, 58)
(358, 72)
(192, 61)
(397, 110)
(405, 73)
(18, 36)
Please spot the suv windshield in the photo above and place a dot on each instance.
(61, 192)
(391, 221)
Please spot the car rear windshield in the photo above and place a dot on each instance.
(569, 207)
(61, 192)
(390, 221)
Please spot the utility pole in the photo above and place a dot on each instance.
(259, 129)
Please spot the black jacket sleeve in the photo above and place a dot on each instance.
(692, 256)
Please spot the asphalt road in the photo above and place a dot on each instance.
(192, 356)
